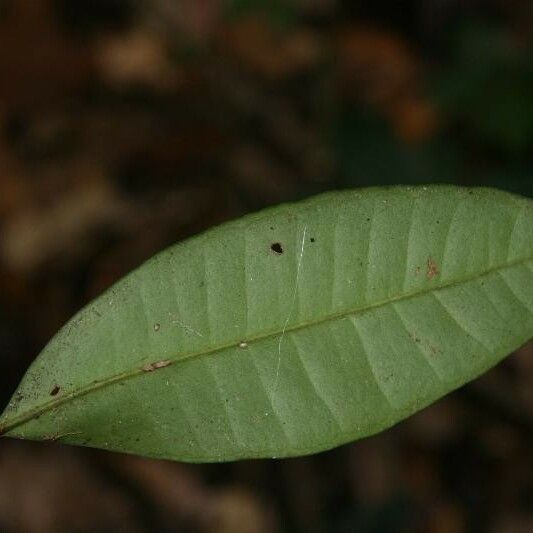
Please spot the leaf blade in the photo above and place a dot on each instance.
(282, 354)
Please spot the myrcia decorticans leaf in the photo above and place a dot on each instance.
(292, 330)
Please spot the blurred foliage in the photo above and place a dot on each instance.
(278, 12)
(487, 88)
(483, 97)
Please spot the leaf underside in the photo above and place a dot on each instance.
(292, 330)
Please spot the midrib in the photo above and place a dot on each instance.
(10, 424)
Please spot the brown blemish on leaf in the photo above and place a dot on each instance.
(414, 337)
(55, 390)
(432, 269)
(17, 398)
(434, 350)
(150, 367)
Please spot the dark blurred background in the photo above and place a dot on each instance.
(126, 126)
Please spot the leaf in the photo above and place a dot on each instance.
(292, 330)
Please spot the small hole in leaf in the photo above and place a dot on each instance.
(55, 390)
(277, 248)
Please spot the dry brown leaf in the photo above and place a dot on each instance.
(46, 489)
(375, 62)
(274, 55)
(236, 510)
(138, 58)
(414, 119)
(176, 488)
(36, 235)
(31, 49)
(379, 69)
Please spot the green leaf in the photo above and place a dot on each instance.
(292, 330)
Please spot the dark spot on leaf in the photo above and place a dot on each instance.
(272, 227)
(277, 248)
(368, 219)
(55, 390)
(312, 239)
(432, 269)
